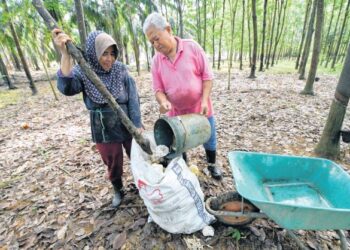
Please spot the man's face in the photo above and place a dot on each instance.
(160, 39)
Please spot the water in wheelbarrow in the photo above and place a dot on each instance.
(295, 193)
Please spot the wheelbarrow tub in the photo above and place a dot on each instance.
(296, 192)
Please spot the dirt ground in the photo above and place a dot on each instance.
(54, 194)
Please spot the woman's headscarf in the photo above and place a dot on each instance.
(112, 79)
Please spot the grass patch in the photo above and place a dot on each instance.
(10, 97)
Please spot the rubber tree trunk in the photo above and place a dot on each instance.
(198, 21)
(328, 146)
(280, 29)
(340, 36)
(263, 38)
(125, 45)
(77, 55)
(255, 40)
(16, 60)
(179, 8)
(81, 22)
(303, 34)
(327, 39)
(249, 36)
(308, 89)
(233, 9)
(307, 45)
(330, 47)
(20, 53)
(242, 37)
(205, 23)
(221, 30)
(5, 74)
(268, 56)
(214, 11)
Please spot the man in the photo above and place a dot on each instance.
(182, 79)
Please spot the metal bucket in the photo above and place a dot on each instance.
(181, 133)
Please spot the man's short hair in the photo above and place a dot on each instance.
(155, 19)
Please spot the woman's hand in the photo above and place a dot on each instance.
(60, 40)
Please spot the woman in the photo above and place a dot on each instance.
(107, 130)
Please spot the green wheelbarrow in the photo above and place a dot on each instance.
(295, 192)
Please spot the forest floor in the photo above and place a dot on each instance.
(53, 193)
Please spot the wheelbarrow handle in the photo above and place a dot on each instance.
(77, 55)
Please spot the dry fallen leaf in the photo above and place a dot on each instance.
(119, 240)
(62, 232)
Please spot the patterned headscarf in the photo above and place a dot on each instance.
(112, 79)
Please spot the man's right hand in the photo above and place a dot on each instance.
(165, 107)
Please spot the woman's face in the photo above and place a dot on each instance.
(108, 58)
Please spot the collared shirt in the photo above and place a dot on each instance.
(182, 80)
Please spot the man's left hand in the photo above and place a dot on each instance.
(204, 108)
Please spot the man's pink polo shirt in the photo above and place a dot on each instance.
(182, 80)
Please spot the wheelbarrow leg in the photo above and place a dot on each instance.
(343, 241)
(294, 237)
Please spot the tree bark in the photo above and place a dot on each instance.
(327, 39)
(221, 29)
(330, 47)
(16, 60)
(263, 38)
(205, 24)
(81, 22)
(271, 35)
(308, 89)
(328, 146)
(125, 43)
(255, 40)
(242, 37)
(304, 33)
(198, 19)
(76, 54)
(179, 8)
(249, 36)
(341, 35)
(213, 31)
(5, 74)
(20, 53)
(279, 29)
(307, 42)
(233, 8)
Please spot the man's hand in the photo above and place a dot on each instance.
(204, 108)
(165, 107)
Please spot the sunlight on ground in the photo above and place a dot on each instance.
(10, 97)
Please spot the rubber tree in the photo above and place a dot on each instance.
(341, 35)
(307, 11)
(233, 10)
(308, 41)
(242, 37)
(263, 33)
(221, 29)
(329, 145)
(255, 40)
(81, 22)
(20, 52)
(308, 89)
(5, 75)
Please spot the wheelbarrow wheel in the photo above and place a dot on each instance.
(223, 205)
